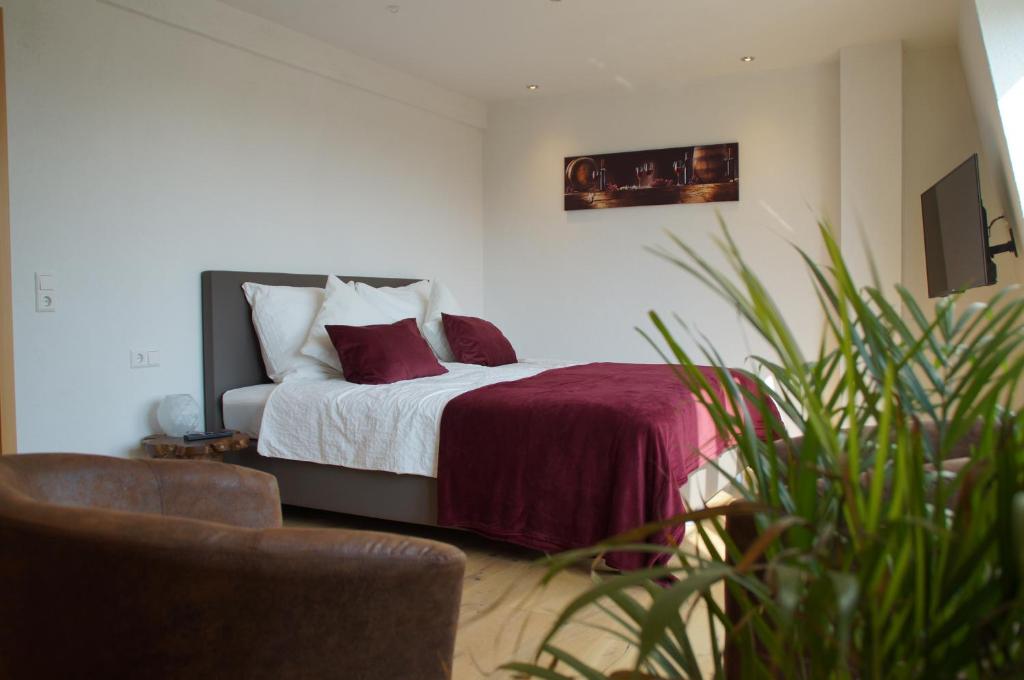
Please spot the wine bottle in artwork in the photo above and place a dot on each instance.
(730, 163)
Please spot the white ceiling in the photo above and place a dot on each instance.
(491, 49)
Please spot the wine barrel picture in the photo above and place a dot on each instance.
(685, 174)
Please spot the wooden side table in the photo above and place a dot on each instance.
(162, 446)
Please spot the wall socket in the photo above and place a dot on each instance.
(149, 358)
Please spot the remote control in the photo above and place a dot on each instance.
(200, 436)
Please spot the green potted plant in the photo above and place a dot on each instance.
(885, 524)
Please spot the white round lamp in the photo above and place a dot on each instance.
(178, 414)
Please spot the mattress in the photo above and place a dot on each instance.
(243, 408)
(387, 428)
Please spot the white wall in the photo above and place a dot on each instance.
(992, 54)
(940, 132)
(574, 284)
(1002, 23)
(144, 151)
(142, 154)
(871, 129)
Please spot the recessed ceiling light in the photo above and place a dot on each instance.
(746, 60)
(531, 88)
(394, 8)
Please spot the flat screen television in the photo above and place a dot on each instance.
(956, 234)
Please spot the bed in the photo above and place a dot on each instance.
(235, 380)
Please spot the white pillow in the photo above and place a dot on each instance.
(342, 306)
(406, 302)
(281, 316)
(441, 301)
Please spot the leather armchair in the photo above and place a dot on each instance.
(120, 568)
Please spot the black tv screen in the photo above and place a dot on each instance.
(955, 240)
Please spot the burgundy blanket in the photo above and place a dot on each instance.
(572, 456)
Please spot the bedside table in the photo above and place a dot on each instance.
(162, 446)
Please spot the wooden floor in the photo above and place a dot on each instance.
(504, 615)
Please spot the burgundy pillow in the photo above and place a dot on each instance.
(382, 354)
(475, 341)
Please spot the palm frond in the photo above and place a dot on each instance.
(871, 560)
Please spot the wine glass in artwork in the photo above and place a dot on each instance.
(639, 173)
(679, 167)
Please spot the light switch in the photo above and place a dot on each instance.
(46, 293)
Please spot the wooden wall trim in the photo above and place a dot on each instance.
(8, 434)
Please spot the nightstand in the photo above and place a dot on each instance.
(162, 446)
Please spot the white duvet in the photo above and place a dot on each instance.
(392, 428)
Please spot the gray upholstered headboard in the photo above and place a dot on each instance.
(231, 351)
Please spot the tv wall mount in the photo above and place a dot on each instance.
(1008, 247)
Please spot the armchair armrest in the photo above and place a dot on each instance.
(378, 606)
(216, 492)
(171, 598)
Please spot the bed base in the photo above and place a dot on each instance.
(412, 498)
(365, 493)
